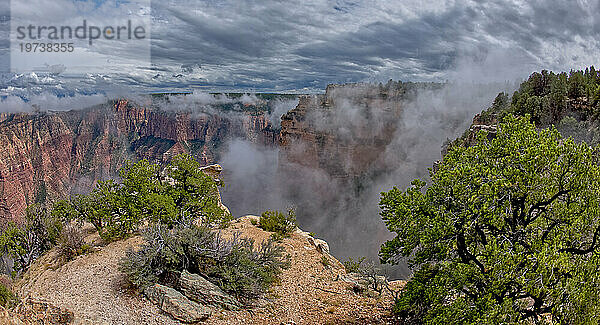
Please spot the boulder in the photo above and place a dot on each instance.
(321, 245)
(177, 305)
(214, 171)
(198, 289)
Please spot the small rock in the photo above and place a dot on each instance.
(320, 245)
(177, 305)
(203, 291)
(361, 283)
(42, 311)
(212, 170)
(302, 233)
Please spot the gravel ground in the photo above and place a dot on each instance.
(92, 287)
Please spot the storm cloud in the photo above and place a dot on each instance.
(302, 46)
(294, 45)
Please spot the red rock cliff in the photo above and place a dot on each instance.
(46, 156)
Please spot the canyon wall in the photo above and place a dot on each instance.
(46, 156)
(345, 131)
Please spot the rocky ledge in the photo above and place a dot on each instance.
(315, 289)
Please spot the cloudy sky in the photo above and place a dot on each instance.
(304, 45)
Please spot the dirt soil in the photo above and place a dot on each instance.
(92, 287)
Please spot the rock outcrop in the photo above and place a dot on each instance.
(46, 156)
(176, 304)
(214, 171)
(194, 300)
(309, 292)
(200, 290)
(321, 245)
(488, 124)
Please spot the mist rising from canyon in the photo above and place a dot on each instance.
(346, 213)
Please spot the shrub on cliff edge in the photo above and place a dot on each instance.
(236, 265)
(7, 297)
(71, 242)
(280, 224)
(24, 242)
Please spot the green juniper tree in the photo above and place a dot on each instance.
(148, 193)
(195, 192)
(507, 232)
